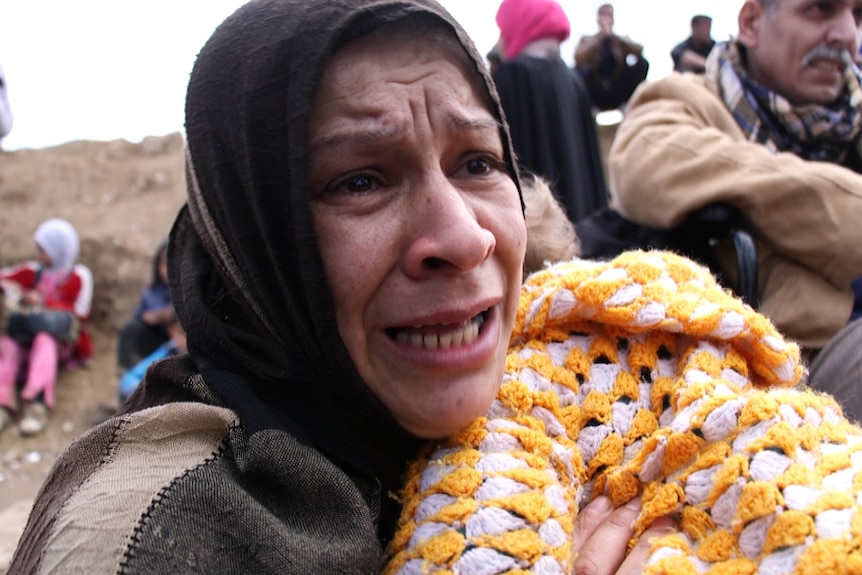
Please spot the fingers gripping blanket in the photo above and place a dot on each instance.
(641, 376)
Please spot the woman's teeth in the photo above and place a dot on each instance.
(443, 338)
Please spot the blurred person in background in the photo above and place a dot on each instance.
(148, 328)
(52, 297)
(547, 107)
(690, 54)
(612, 66)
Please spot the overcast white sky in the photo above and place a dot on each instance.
(108, 69)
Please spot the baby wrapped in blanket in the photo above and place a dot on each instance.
(641, 376)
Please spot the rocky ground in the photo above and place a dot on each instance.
(122, 199)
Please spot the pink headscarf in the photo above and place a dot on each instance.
(525, 21)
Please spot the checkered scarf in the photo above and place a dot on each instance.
(812, 132)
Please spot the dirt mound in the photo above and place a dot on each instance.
(122, 199)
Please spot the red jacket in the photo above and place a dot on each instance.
(74, 294)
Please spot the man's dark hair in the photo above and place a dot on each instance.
(698, 19)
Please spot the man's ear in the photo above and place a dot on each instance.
(750, 21)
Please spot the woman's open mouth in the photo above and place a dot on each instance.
(440, 336)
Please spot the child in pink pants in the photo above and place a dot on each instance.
(54, 281)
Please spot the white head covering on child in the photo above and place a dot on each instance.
(59, 240)
(5, 110)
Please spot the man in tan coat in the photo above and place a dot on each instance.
(772, 127)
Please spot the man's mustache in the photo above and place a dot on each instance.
(824, 52)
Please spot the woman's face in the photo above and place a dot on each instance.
(42, 257)
(420, 228)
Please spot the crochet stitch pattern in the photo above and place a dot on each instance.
(641, 376)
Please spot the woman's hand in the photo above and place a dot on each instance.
(602, 535)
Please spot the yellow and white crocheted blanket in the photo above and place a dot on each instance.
(641, 376)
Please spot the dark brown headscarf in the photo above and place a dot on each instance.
(245, 270)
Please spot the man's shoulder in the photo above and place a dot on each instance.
(688, 87)
(680, 98)
(683, 82)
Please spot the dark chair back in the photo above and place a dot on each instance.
(606, 233)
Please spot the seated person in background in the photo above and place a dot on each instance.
(612, 66)
(690, 54)
(773, 128)
(134, 376)
(54, 294)
(148, 327)
(547, 107)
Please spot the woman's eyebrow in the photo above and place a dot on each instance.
(476, 123)
(360, 137)
(370, 136)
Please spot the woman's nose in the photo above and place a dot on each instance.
(446, 233)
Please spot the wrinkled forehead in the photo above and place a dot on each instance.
(428, 33)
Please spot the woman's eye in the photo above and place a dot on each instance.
(478, 166)
(481, 165)
(358, 184)
(354, 184)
